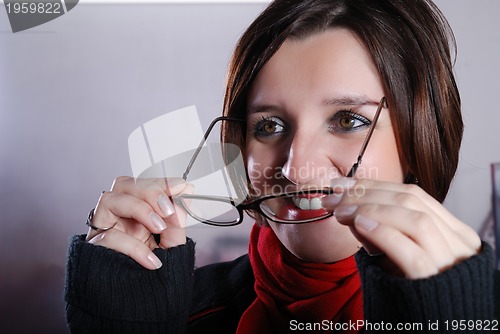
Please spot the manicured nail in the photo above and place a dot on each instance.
(165, 205)
(345, 210)
(97, 238)
(174, 181)
(330, 201)
(154, 260)
(365, 223)
(157, 221)
(343, 182)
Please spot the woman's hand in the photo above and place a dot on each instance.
(135, 210)
(415, 232)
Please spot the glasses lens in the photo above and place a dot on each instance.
(295, 208)
(211, 210)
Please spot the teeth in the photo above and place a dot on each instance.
(315, 204)
(305, 204)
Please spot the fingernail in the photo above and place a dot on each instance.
(97, 238)
(154, 260)
(158, 221)
(331, 201)
(343, 182)
(174, 181)
(365, 223)
(165, 205)
(345, 210)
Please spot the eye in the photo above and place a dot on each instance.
(268, 126)
(348, 121)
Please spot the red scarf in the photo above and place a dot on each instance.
(291, 289)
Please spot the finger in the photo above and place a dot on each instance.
(112, 206)
(393, 198)
(330, 202)
(365, 185)
(93, 229)
(130, 246)
(416, 226)
(126, 184)
(405, 253)
(181, 212)
(175, 235)
(413, 197)
(155, 192)
(370, 248)
(132, 227)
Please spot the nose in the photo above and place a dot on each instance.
(309, 161)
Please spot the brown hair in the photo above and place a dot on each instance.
(410, 43)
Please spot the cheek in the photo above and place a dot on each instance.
(263, 165)
(258, 164)
(383, 163)
(253, 169)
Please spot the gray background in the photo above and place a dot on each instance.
(73, 89)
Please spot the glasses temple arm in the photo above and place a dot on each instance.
(203, 140)
(354, 168)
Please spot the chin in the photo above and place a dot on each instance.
(324, 241)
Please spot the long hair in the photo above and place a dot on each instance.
(410, 43)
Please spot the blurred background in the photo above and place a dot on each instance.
(73, 89)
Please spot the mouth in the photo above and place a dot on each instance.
(300, 207)
(308, 202)
(303, 207)
(293, 212)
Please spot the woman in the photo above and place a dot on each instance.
(307, 77)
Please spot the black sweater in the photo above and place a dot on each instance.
(108, 292)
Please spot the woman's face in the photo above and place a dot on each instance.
(309, 111)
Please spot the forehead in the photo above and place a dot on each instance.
(333, 62)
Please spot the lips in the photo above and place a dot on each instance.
(299, 207)
(291, 212)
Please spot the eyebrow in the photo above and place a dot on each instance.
(350, 100)
(261, 108)
(347, 100)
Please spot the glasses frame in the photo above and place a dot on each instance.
(254, 204)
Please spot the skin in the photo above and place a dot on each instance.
(294, 86)
(415, 232)
(304, 85)
(139, 209)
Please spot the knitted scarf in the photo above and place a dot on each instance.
(294, 294)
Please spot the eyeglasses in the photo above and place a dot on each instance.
(295, 207)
